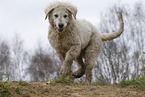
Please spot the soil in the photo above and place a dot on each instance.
(47, 89)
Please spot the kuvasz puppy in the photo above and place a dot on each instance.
(75, 40)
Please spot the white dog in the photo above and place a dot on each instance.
(75, 40)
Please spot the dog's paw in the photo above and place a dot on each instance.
(65, 71)
(79, 73)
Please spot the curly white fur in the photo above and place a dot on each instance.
(77, 40)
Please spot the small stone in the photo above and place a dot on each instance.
(92, 89)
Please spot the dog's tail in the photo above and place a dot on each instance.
(110, 36)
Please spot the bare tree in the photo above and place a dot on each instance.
(5, 60)
(139, 34)
(18, 58)
(122, 58)
(42, 65)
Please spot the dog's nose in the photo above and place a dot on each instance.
(60, 25)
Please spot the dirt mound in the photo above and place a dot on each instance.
(47, 89)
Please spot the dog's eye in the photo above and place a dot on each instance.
(65, 16)
(56, 15)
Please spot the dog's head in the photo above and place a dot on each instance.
(60, 14)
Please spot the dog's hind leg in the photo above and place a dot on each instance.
(91, 53)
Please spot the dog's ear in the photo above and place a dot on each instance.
(48, 11)
(73, 10)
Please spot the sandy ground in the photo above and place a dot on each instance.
(46, 89)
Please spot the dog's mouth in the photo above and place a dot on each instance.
(60, 29)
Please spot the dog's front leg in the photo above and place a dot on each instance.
(70, 56)
(61, 56)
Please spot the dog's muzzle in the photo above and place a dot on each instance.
(60, 27)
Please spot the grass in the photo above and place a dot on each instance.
(63, 80)
(18, 90)
(4, 89)
(32, 90)
(23, 83)
(101, 83)
(140, 83)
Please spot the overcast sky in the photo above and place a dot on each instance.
(27, 17)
